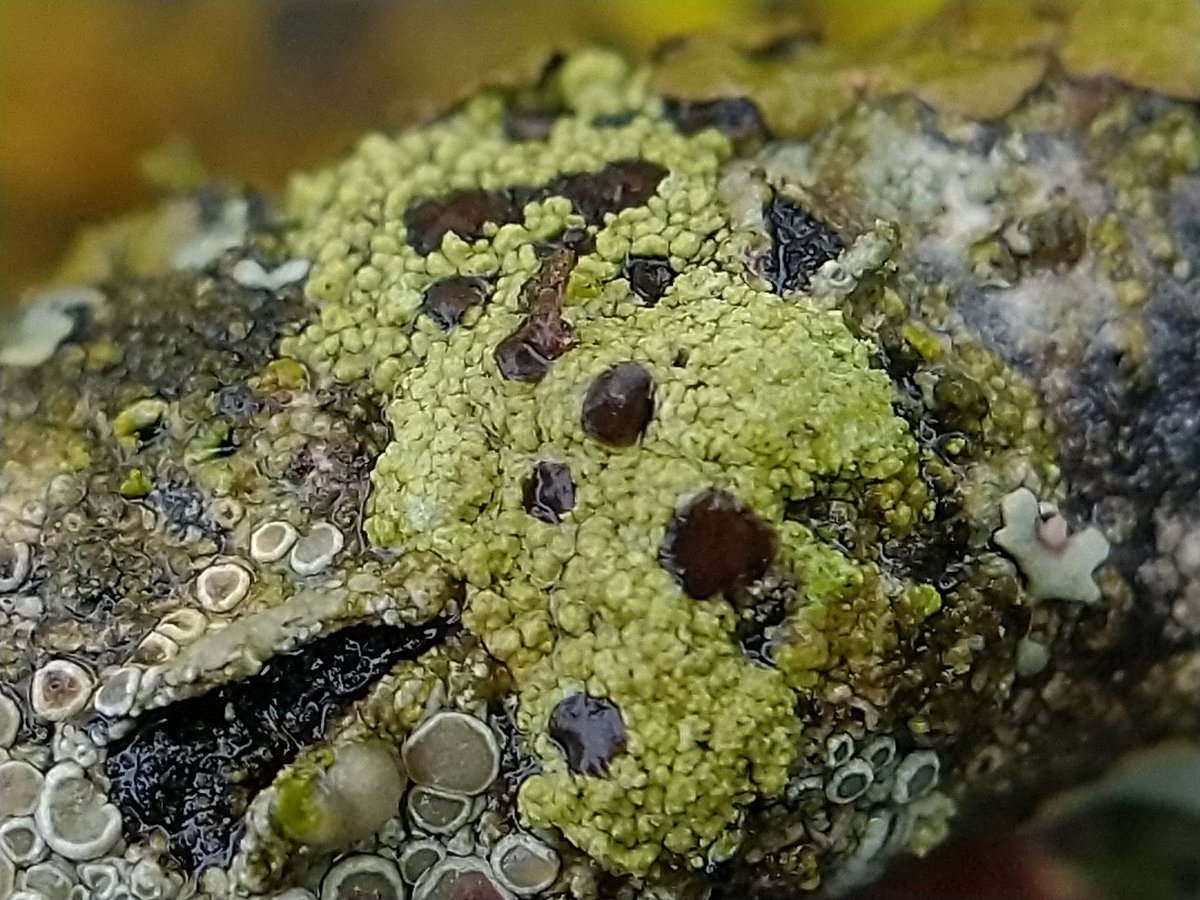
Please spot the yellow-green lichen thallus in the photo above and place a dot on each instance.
(584, 603)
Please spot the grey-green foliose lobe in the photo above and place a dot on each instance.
(593, 494)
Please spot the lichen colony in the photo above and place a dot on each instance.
(632, 484)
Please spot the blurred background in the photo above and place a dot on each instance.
(87, 88)
(98, 99)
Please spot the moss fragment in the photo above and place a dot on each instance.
(136, 485)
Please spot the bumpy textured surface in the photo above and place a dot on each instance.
(657, 504)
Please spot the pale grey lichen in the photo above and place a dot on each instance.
(418, 857)
(10, 720)
(453, 752)
(15, 563)
(22, 841)
(20, 785)
(437, 812)
(271, 541)
(313, 552)
(1058, 566)
(47, 320)
(74, 816)
(221, 587)
(250, 273)
(114, 698)
(60, 689)
(352, 798)
(524, 864)
(363, 875)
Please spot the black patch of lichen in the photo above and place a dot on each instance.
(617, 186)
(549, 491)
(800, 244)
(446, 301)
(716, 545)
(192, 768)
(648, 277)
(619, 404)
(464, 214)
(735, 117)
(589, 730)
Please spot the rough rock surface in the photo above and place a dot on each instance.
(669, 443)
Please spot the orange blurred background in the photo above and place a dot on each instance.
(256, 89)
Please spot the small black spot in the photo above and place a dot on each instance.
(237, 403)
(579, 241)
(735, 117)
(528, 124)
(8, 562)
(765, 607)
(520, 356)
(549, 491)
(648, 277)
(544, 335)
(448, 300)
(590, 732)
(618, 186)
(613, 120)
(619, 404)
(464, 213)
(715, 545)
(800, 244)
(181, 504)
(959, 401)
(82, 316)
